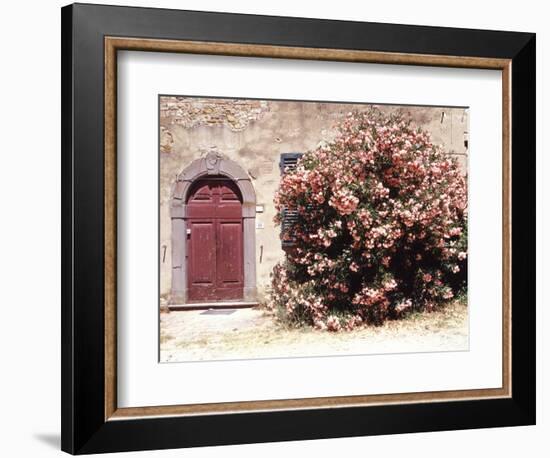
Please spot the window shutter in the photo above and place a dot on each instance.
(288, 162)
(289, 219)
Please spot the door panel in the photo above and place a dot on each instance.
(229, 269)
(228, 201)
(215, 241)
(203, 252)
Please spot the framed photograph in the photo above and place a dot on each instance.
(283, 228)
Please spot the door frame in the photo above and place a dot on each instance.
(213, 164)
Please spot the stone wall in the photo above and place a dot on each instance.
(192, 112)
(254, 133)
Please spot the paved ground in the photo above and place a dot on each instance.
(251, 333)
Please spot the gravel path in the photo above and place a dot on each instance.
(251, 333)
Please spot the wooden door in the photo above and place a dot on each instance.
(214, 241)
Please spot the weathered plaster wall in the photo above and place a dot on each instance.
(254, 133)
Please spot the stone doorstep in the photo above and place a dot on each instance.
(212, 305)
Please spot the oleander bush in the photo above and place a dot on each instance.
(381, 227)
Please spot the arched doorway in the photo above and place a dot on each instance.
(214, 241)
(211, 168)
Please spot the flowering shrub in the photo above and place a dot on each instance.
(381, 227)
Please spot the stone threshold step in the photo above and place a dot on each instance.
(212, 305)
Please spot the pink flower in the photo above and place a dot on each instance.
(404, 305)
(455, 231)
(344, 201)
(333, 324)
(320, 325)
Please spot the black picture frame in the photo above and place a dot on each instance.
(84, 427)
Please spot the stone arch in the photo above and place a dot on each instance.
(211, 165)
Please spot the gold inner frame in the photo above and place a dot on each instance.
(114, 44)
